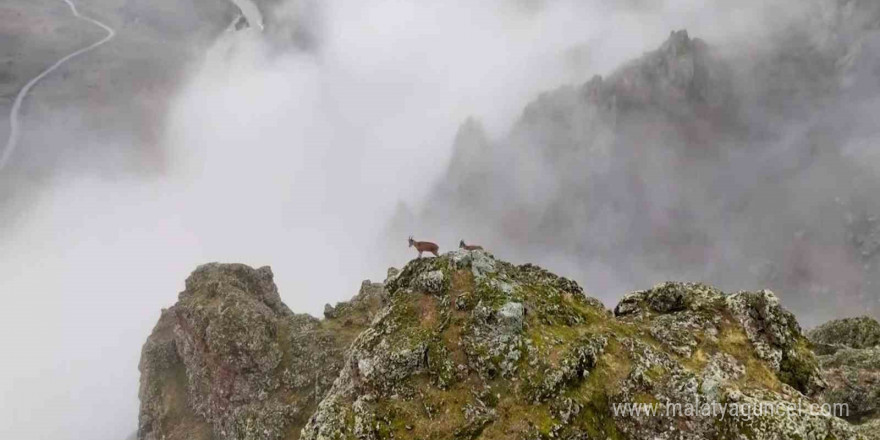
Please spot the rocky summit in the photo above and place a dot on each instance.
(231, 361)
(467, 346)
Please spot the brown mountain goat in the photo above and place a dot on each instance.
(470, 247)
(424, 246)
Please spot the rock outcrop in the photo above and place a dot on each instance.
(231, 361)
(850, 362)
(677, 313)
(467, 346)
(860, 332)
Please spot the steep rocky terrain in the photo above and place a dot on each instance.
(230, 359)
(469, 346)
(669, 166)
(849, 352)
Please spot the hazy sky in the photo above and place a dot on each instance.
(284, 155)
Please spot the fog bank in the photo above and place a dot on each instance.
(292, 149)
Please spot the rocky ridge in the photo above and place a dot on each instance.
(468, 346)
(850, 358)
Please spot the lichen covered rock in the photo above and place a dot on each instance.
(682, 316)
(493, 350)
(853, 377)
(231, 361)
(777, 338)
(861, 332)
(851, 366)
(465, 346)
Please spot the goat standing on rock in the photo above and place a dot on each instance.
(469, 247)
(424, 246)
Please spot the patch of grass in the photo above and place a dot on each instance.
(733, 341)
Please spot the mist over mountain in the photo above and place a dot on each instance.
(618, 143)
(747, 163)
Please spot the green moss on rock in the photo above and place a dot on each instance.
(851, 367)
(466, 346)
(861, 332)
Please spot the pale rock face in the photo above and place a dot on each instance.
(430, 282)
(722, 368)
(480, 262)
(511, 316)
(392, 274)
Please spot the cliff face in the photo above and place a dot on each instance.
(468, 346)
(230, 360)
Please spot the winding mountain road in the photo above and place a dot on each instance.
(14, 125)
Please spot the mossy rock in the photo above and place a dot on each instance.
(861, 332)
(466, 346)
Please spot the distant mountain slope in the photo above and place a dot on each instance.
(111, 102)
(747, 165)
